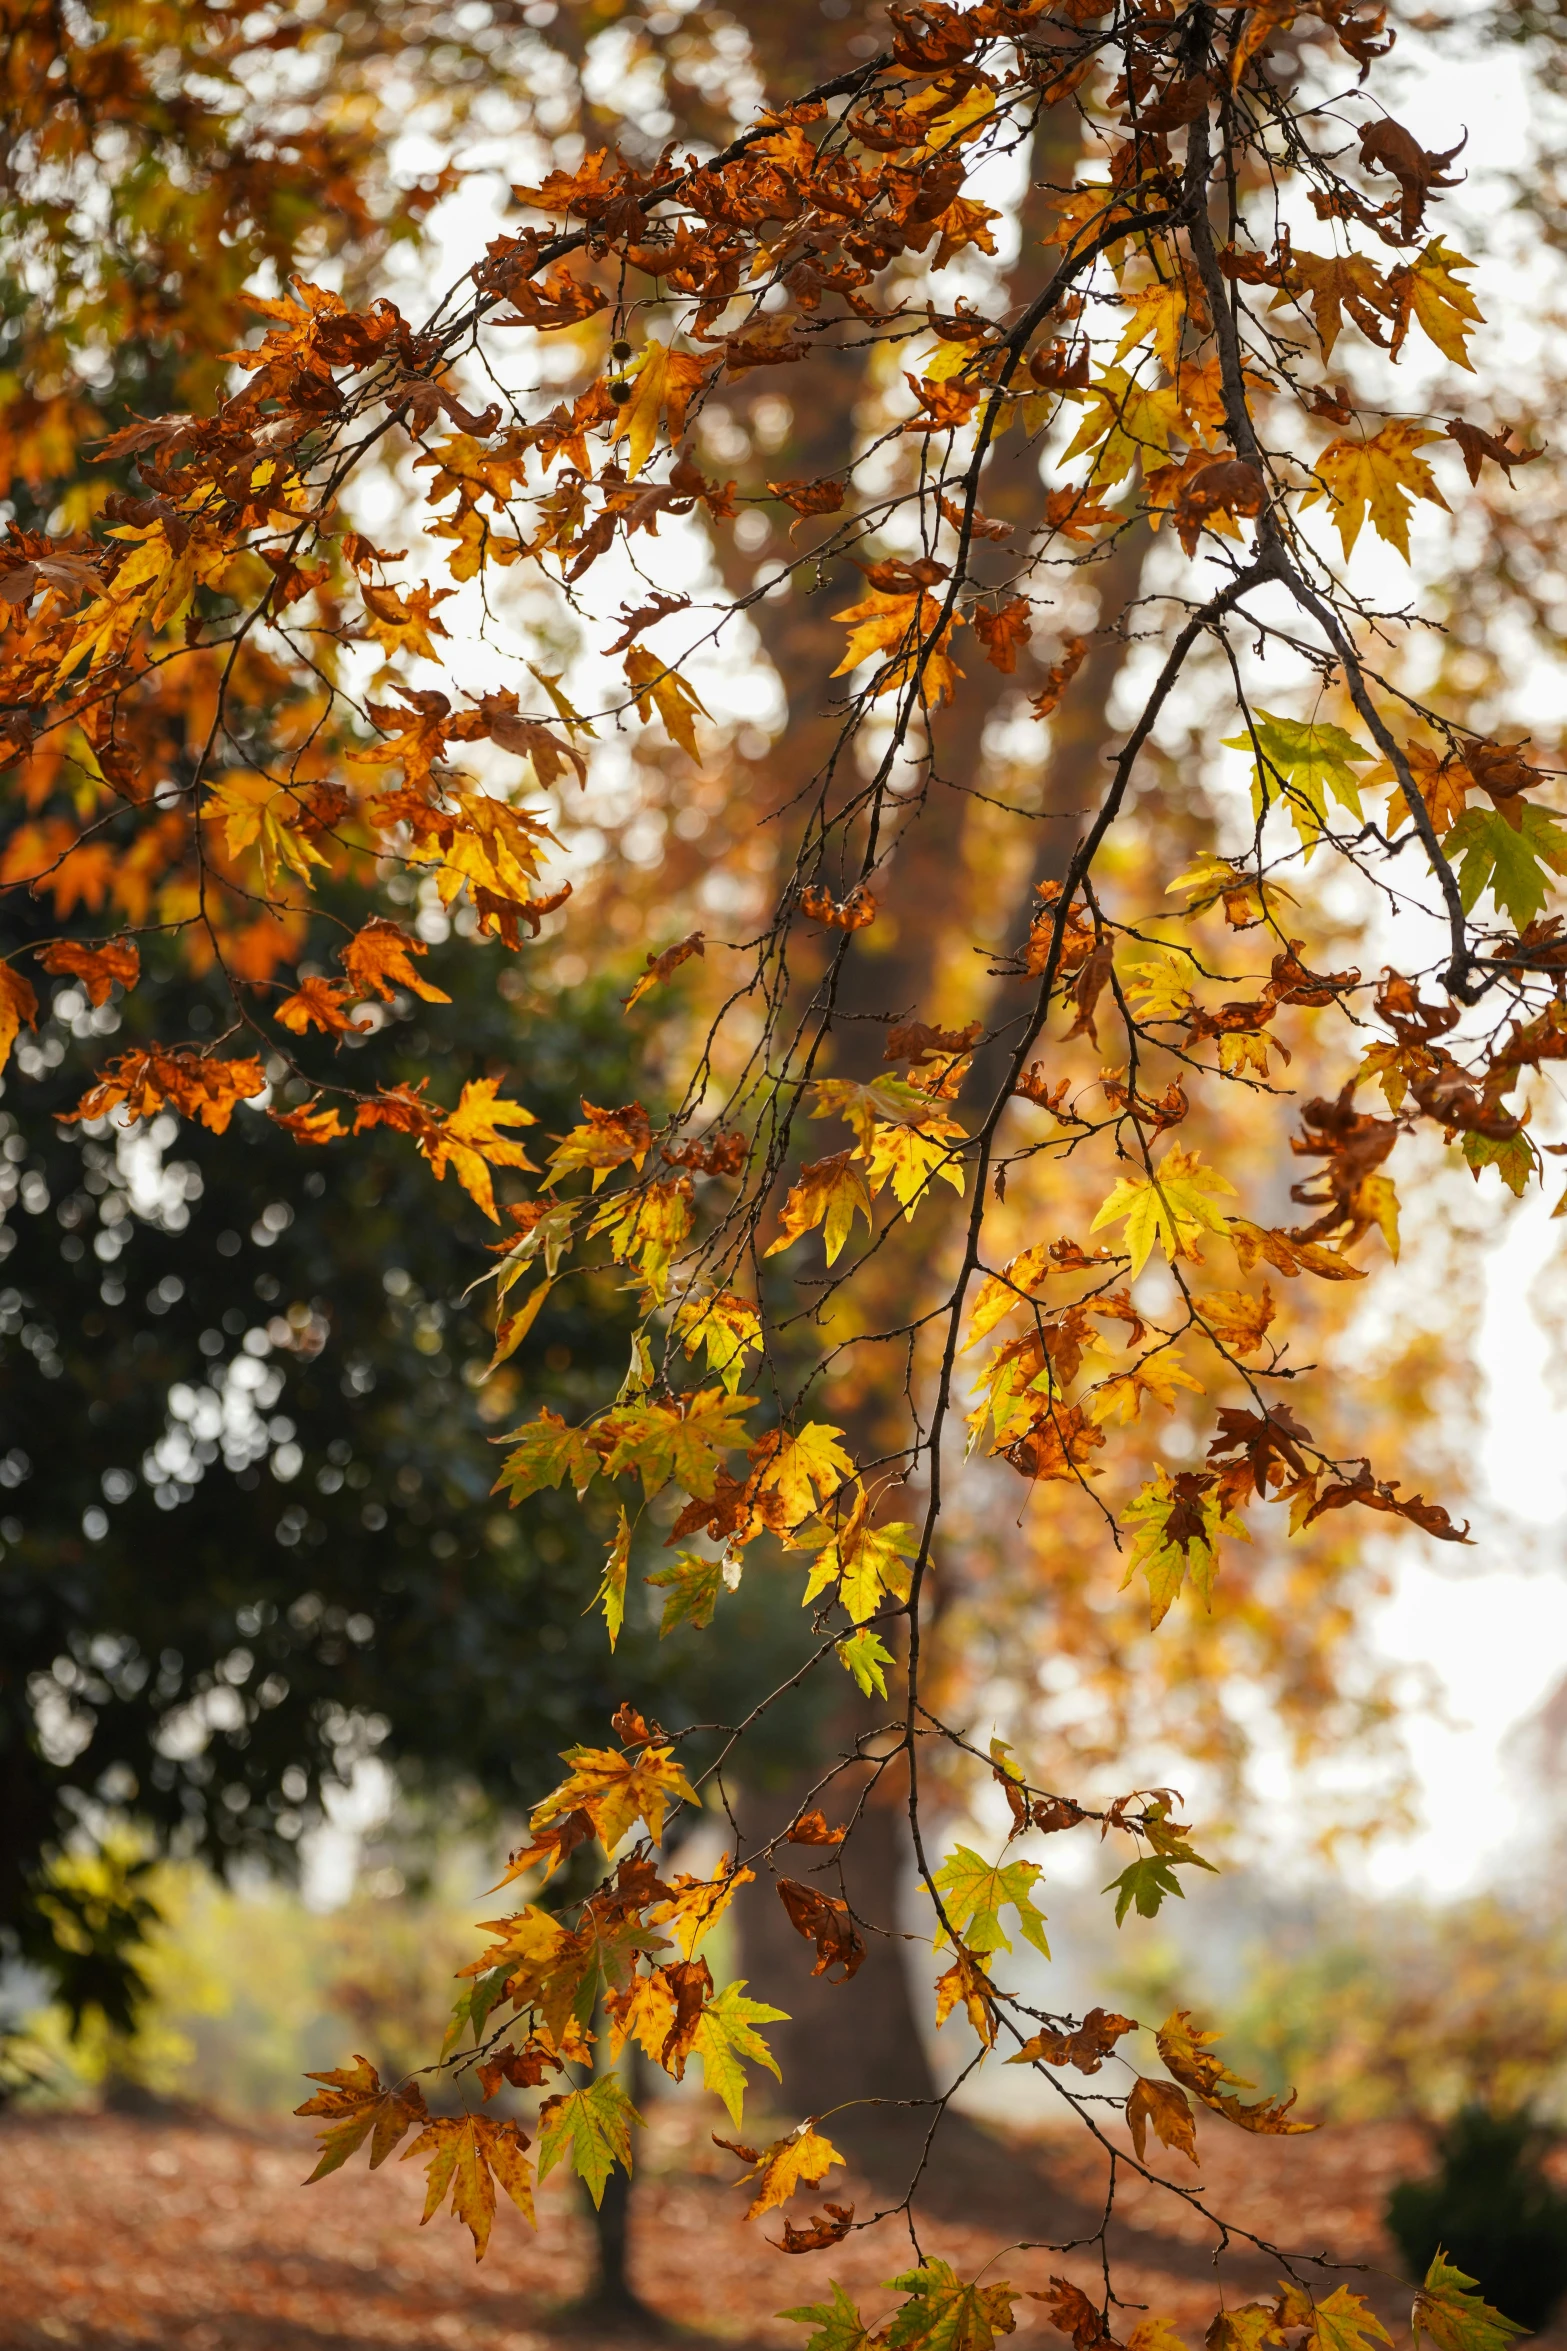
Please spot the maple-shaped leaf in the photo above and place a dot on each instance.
(999, 1294)
(318, 1004)
(468, 2154)
(868, 1565)
(1429, 290)
(1249, 2326)
(1302, 762)
(826, 1921)
(943, 2314)
(1288, 1256)
(726, 2033)
(974, 1893)
(1086, 2048)
(405, 623)
(18, 1003)
(726, 1326)
(1382, 476)
(906, 625)
(1345, 2322)
(1455, 2316)
(545, 1451)
(1071, 2310)
(656, 685)
(830, 1192)
(1166, 2106)
(617, 1790)
(691, 1906)
(685, 1441)
(804, 1469)
(592, 2128)
(1187, 2055)
(1175, 1524)
(662, 386)
(866, 1657)
(1154, 2333)
(605, 1140)
(357, 2107)
(1173, 1206)
(662, 967)
(1235, 1318)
(611, 1594)
(98, 968)
(838, 2324)
(801, 2160)
(378, 961)
(1159, 1375)
(693, 1585)
(194, 1084)
(966, 1984)
(471, 1143)
(1494, 854)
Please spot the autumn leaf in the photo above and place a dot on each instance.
(804, 1469)
(801, 2160)
(655, 685)
(866, 1657)
(1187, 2055)
(378, 961)
(693, 1585)
(829, 1193)
(1173, 1206)
(357, 2107)
(974, 1893)
(838, 2324)
(661, 967)
(1167, 2108)
(592, 2129)
(471, 1143)
(18, 1003)
(1428, 290)
(725, 2034)
(1303, 763)
(907, 627)
(662, 386)
(1343, 2321)
(1455, 2316)
(943, 2314)
(468, 2154)
(100, 969)
(616, 1791)
(1382, 476)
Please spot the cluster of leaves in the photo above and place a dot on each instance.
(222, 705)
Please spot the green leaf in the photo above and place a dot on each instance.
(725, 2034)
(838, 2324)
(974, 1893)
(942, 2314)
(1492, 856)
(1448, 2309)
(1513, 1159)
(1306, 762)
(693, 1585)
(1145, 1882)
(867, 1657)
(593, 2128)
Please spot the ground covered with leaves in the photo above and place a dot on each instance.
(119, 2231)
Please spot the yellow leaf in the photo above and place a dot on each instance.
(1383, 477)
(801, 2160)
(470, 1141)
(1237, 1319)
(662, 386)
(611, 1594)
(1171, 1206)
(999, 1293)
(1447, 311)
(828, 1193)
(1159, 1376)
(615, 1791)
(655, 684)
